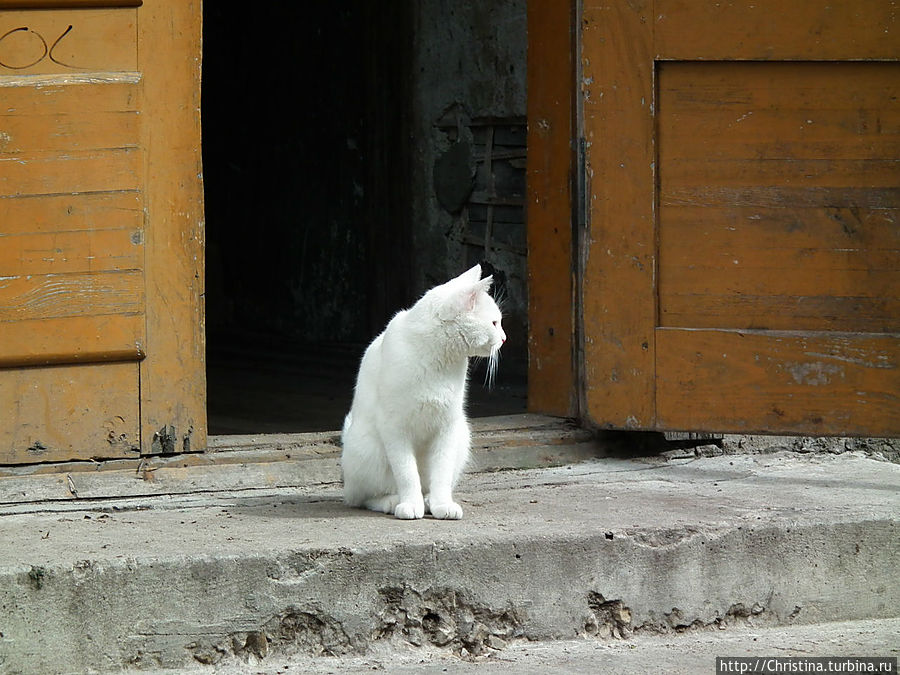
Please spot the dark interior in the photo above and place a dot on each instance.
(305, 110)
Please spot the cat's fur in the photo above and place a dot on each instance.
(406, 433)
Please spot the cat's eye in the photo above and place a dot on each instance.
(494, 322)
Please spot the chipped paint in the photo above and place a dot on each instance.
(814, 374)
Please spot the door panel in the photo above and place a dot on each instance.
(95, 192)
(743, 258)
(771, 260)
(69, 412)
(71, 235)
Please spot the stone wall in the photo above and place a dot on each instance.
(468, 155)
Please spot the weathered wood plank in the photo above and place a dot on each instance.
(51, 296)
(773, 30)
(69, 412)
(725, 112)
(58, 132)
(804, 277)
(819, 240)
(723, 87)
(551, 375)
(618, 285)
(783, 196)
(67, 41)
(79, 339)
(810, 173)
(817, 383)
(90, 171)
(759, 133)
(45, 4)
(71, 212)
(777, 312)
(69, 93)
(880, 262)
(62, 252)
(732, 228)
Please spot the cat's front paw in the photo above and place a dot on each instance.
(409, 510)
(446, 511)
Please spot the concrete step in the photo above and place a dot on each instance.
(608, 551)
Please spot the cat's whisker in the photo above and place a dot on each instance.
(490, 374)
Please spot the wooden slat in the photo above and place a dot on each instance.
(758, 133)
(805, 277)
(71, 213)
(69, 132)
(619, 295)
(723, 87)
(827, 173)
(80, 251)
(92, 171)
(551, 378)
(55, 4)
(69, 93)
(67, 41)
(780, 312)
(775, 30)
(778, 196)
(60, 295)
(81, 339)
(819, 383)
(69, 412)
(729, 228)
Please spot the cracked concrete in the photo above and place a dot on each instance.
(669, 654)
(604, 550)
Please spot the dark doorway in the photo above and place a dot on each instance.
(306, 149)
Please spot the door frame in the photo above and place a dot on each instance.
(173, 374)
(552, 214)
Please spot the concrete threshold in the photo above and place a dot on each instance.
(248, 462)
(606, 551)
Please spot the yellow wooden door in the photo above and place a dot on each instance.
(742, 251)
(101, 335)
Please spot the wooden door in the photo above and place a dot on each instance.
(101, 335)
(742, 251)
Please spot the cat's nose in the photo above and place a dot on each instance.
(502, 338)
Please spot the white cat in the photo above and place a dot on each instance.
(406, 432)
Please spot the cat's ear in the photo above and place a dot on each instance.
(470, 276)
(464, 297)
(471, 293)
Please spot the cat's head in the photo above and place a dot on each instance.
(466, 308)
